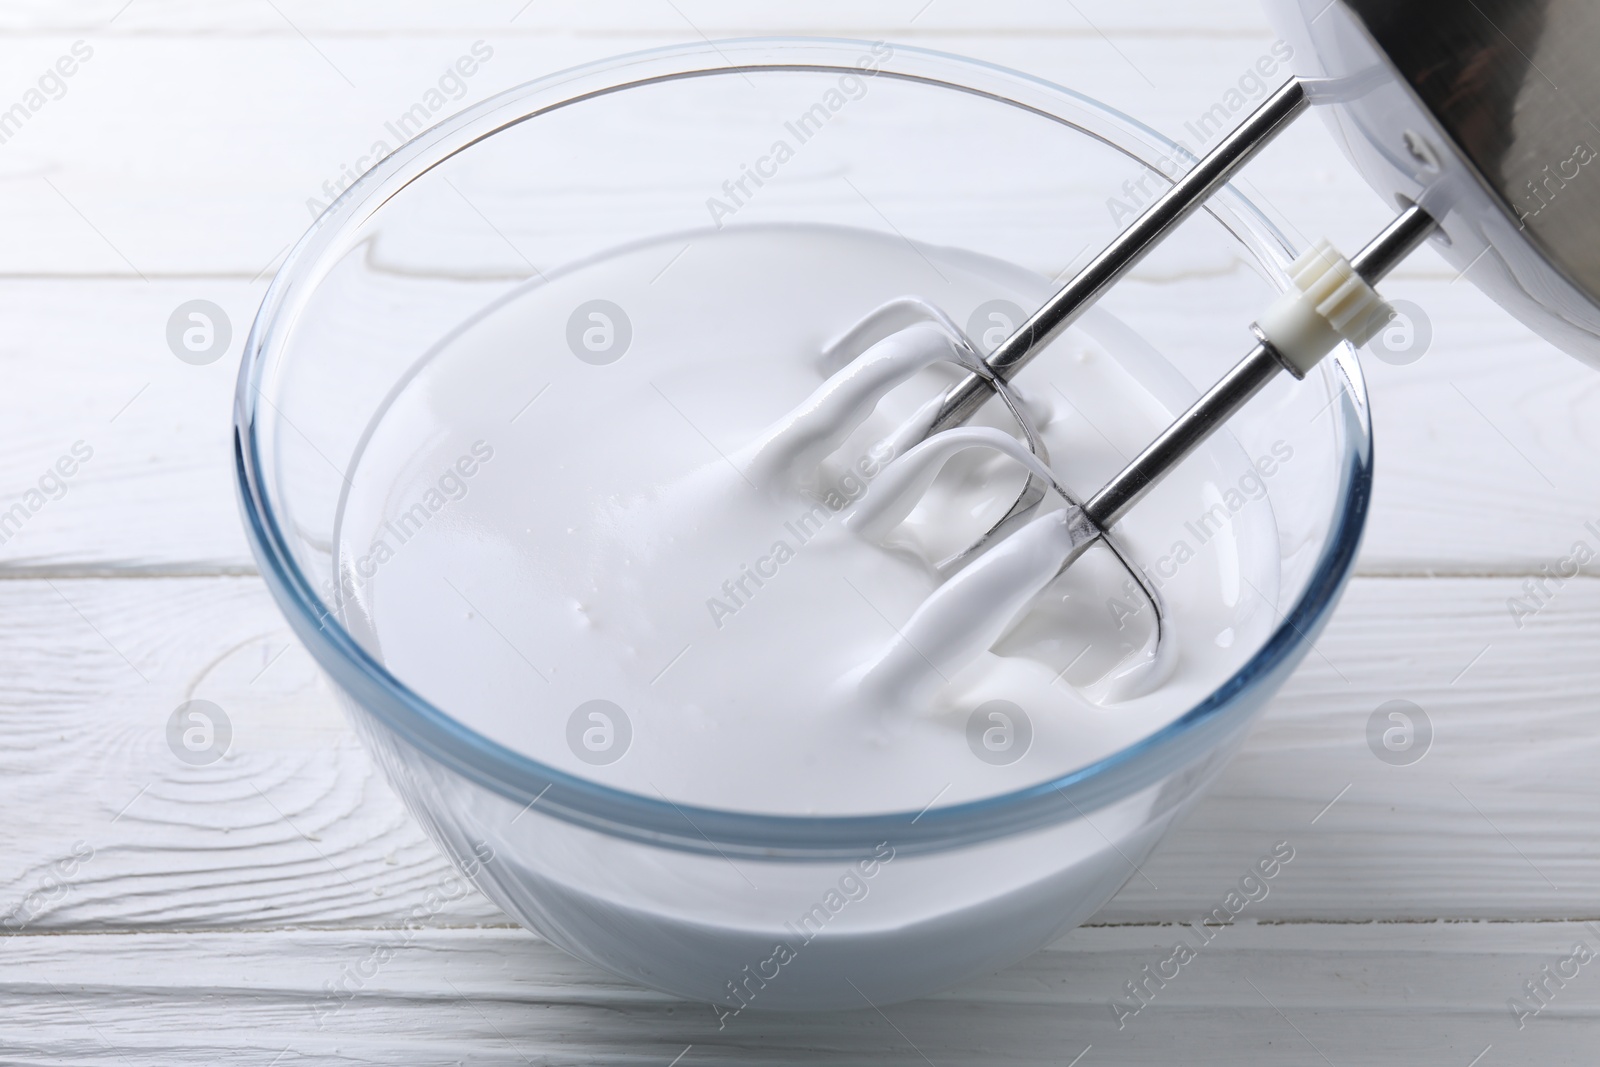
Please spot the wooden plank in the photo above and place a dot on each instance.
(207, 231)
(1291, 995)
(222, 184)
(1487, 415)
(156, 489)
(1481, 443)
(295, 828)
(97, 669)
(178, 166)
(1490, 823)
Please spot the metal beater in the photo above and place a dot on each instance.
(1472, 116)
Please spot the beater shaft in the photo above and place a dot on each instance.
(1247, 378)
(1185, 197)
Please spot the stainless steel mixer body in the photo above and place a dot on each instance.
(1487, 114)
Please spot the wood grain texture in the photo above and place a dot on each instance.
(295, 828)
(208, 169)
(1491, 823)
(167, 914)
(1289, 995)
(202, 203)
(1481, 443)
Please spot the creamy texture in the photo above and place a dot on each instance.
(721, 534)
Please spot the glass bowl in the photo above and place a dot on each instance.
(742, 909)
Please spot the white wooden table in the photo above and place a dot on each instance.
(164, 914)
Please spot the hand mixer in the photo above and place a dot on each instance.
(1469, 114)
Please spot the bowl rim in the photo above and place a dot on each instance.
(371, 687)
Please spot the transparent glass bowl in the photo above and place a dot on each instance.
(713, 904)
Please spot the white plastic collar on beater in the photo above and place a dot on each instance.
(1328, 303)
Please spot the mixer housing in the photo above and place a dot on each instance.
(1478, 111)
